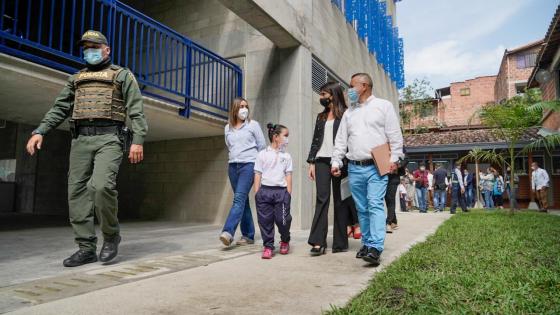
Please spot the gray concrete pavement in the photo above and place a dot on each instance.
(190, 274)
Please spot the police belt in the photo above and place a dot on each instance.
(98, 130)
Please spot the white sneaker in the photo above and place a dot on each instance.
(245, 241)
(226, 238)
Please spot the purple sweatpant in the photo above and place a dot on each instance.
(273, 206)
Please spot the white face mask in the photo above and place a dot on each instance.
(243, 113)
(284, 144)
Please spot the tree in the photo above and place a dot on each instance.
(510, 121)
(416, 95)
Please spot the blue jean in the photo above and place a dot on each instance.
(440, 198)
(241, 176)
(422, 195)
(368, 190)
(469, 195)
(488, 199)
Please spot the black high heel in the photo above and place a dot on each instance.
(318, 251)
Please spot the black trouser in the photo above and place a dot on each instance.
(349, 207)
(320, 225)
(498, 200)
(390, 199)
(403, 203)
(457, 197)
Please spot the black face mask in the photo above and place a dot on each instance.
(325, 102)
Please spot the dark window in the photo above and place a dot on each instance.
(556, 164)
(427, 111)
(526, 60)
(522, 163)
(520, 88)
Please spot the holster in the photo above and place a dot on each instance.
(125, 135)
(73, 128)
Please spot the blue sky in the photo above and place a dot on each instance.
(453, 40)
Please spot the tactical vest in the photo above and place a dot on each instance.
(454, 178)
(98, 95)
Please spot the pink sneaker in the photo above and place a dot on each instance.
(284, 248)
(267, 253)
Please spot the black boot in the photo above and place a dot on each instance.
(81, 257)
(362, 252)
(110, 249)
(372, 257)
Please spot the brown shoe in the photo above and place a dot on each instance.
(394, 226)
(389, 230)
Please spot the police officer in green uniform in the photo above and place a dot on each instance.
(98, 99)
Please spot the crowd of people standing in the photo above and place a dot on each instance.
(423, 186)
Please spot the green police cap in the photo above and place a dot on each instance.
(93, 37)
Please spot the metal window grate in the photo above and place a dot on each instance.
(318, 75)
(321, 75)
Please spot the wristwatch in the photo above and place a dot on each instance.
(36, 132)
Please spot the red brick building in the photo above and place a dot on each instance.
(455, 105)
(515, 70)
(466, 98)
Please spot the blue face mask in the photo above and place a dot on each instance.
(93, 56)
(353, 96)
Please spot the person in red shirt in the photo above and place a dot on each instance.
(421, 184)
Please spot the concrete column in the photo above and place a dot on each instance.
(284, 95)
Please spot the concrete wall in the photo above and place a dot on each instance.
(41, 180)
(277, 84)
(184, 180)
(337, 45)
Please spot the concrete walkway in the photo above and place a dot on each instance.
(211, 280)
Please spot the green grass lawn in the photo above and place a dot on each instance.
(480, 262)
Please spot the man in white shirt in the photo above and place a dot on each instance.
(368, 123)
(539, 185)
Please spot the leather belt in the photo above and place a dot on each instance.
(97, 130)
(362, 163)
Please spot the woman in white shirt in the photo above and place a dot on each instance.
(326, 127)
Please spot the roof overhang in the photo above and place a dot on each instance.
(463, 147)
(550, 48)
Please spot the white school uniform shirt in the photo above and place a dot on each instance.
(430, 181)
(366, 126)
(402, 190)
(273, 165)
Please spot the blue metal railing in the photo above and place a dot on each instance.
(168, 65)
(370, 20)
